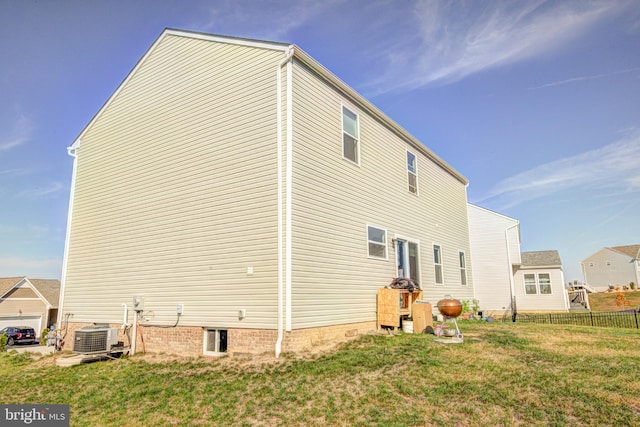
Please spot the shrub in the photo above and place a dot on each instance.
(3, 342)
(632, 285)
(43, 336)
(466, 306)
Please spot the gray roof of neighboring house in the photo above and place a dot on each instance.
(48, 288)
(630, 250)
(6, 283)
(540, 258)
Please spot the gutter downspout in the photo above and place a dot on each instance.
(63, 278)
(512, 287)
(281, 291)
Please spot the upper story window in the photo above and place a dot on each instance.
(377, 242)
(607, 263)
(350, 136)
(412, 172)
(437, 264)
(463, 269)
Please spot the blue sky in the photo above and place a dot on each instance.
(536, 102)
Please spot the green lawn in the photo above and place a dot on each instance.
(503, 374)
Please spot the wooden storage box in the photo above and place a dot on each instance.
(393, 303)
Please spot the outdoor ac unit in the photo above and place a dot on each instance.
(95, 339)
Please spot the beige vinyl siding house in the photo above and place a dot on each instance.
(539, 283)
(28, 302)
(216, 177)
(618, 265)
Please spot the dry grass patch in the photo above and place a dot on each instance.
(503, 374)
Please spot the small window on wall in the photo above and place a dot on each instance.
(437, 264)
(607, 263)
(530, 287)
(463, 269)
(377, 242)
(544, 280)
(215, 342)
(350, 136)
(412, 172)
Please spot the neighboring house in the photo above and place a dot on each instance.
(539, 283)
(618, 265)
(506, 280)
(28, 302)
(243, 181)
(495, 254)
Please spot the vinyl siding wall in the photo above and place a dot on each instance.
(176, 191)
(556, 301)
(490, 257)
(621, 271)
(334, 200)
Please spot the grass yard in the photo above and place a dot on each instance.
(606, 301)
(503, 374)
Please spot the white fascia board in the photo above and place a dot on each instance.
(471, 205)
(15, 285)
(260, 44)
(37, 292)
(171, 32)
(371, 109)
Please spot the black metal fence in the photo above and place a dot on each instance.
(620, 319)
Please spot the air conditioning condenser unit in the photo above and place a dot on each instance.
(95, 339)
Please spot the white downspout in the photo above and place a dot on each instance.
(63, 278)
(511, 284)
(288, 195)
(281, 291)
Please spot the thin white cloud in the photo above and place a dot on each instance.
(17, 135)
(584, 78)
(270, 20)
(614, 166)
(42, 192)
(15, 172)
(454, 40)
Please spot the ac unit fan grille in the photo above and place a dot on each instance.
(90, 341)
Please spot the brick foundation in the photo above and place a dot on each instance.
(189, 340)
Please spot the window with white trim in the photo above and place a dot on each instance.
(412, 172)
(463, 268)
(215, 342)
(530, 287)
(377, 242)
(544, 283)
(539, 283)
(350, 136)
(437, 264)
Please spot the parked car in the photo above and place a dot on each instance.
(19, 335)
